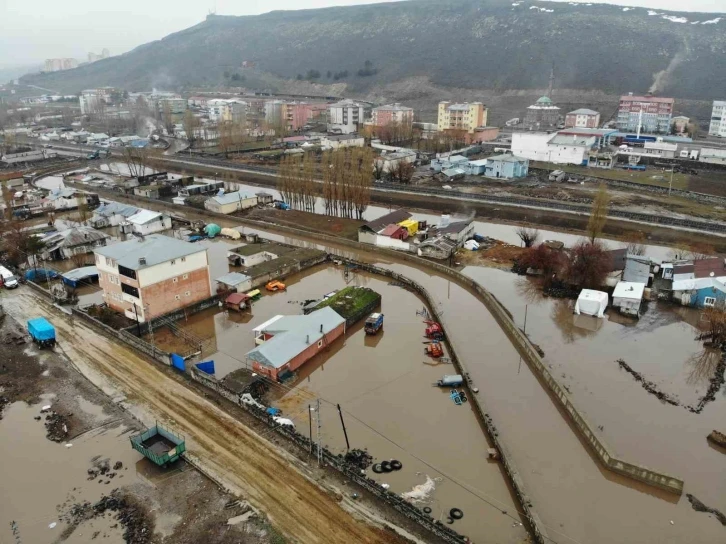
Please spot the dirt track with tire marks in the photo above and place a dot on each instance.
(294, 504)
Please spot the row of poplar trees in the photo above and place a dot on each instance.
(342, 179)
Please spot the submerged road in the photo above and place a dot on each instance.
(576, 498)
(234, 453)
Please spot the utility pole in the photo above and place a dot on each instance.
(670, 185)
(345, 432)
(310, 421)
(320, 450)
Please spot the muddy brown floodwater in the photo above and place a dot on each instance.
(384, 385)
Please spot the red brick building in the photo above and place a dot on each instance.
(393, 113)
(285, 343)
(152, 276)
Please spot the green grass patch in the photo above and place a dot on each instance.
(652, 176)
(350, 300)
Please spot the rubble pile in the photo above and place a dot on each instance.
(649, 386)
(137, 524)
(56, 426)
(359, 458)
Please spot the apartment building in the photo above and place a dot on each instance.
(298, 114)
(582, 118)
(718, 119)
(174, 105)
(151, 276)
(392, 113)
(652, 114)
(58, 65)
(346, 116)
(467, 116)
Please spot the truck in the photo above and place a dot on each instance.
(434, 331)
(374, 323)
(159, 445)
(99, 153)
(42, 332)
(7, 279)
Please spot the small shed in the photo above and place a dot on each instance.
(628, 297)
(264, 198)
(234, 281)
(395, 231)
(237, 301)
(591, 302)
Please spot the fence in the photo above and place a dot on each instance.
(336, 462)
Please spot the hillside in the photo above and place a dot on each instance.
(496, 45)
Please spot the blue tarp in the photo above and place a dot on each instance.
(40, 329)
(40, 274)
(76, 276)
(206, 366)
(177, 361)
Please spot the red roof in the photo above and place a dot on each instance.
(236, 298)
(628, 98)
(390, 230)
(703, 268)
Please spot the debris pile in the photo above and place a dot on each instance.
(698, 506)
(359, 458)
(649, 386)
(717, 438)
(137, 524)
(102, 470)
(56, 426)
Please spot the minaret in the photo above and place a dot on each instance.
(552, 81)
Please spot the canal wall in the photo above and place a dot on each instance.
(610, 461)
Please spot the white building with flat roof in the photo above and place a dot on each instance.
(346, 116)
(717, 127)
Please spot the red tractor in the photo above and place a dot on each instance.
(434, 331)
(434, 350)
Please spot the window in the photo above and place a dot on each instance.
(709, 301)
(183, 259)
(174, 280)
(320, 343)
(185, 277)
(127, 272)
(177, 297)
(133, 291)
(188, 294)
(173, 261)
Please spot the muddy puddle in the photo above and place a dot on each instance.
(41, 478)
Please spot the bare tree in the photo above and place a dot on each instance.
(588, 265)
(599, 213)
(168, 119)
(378, 169)
(635, 244)
(136, 160)
(83, 213)
(403, 171)
(191, 127)
(528, 236)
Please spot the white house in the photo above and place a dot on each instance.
(97, 138)
(112, 214)
(64, 199)
(148, 222)
(390, 161)
(230, 202)
(628, 297)
(343, 140)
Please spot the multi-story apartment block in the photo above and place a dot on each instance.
(227, 110)
(58, 65)
(652, 114)
(718, 120)
(466, 116)
(174, 105)
(298, 114)
(152, 276)
(346, 116)
(393, 113)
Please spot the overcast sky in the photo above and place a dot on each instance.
(32, 30)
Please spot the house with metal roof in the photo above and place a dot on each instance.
(230, 202)
(285, 343)
(234, 281)
(64, 244)
(153, 275)
(145, 222)
(112, 214)
(506, 166)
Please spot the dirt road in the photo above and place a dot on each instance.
(239, 457)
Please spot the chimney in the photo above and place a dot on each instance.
(142, 260)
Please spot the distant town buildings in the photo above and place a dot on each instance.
(717, 126)
(60, 64)
(679, 124)
(648, 113)
(582, 118)
(298, 114)
(227, 110)
(346, 116)
(93, 100)
(465, 116)
(93, 57)
(174, 105)
(392, 113)
(152, 276)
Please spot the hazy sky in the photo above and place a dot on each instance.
(32, 30)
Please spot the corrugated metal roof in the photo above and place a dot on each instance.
(506, 157)
(382, 222)
(230, 198)
(293, 335)
(114, 208)
(233, 278)
(155, 249)
(636, 271)
(583, 111)
(144, 216)
(579, 140)
(81, 273)
(72, 237)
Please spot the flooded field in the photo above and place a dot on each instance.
(383, 384)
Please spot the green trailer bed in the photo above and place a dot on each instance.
(159, 445)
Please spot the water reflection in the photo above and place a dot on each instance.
(702, 365)
(573, 327)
